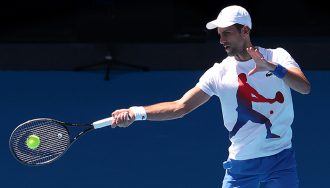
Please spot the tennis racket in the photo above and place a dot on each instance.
(51, 139)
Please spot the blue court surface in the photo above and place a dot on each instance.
(183, 153)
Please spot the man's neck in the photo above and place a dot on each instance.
(243, 56)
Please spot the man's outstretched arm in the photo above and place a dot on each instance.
(165, 110)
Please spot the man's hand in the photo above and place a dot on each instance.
(122, 118)
(261, 63)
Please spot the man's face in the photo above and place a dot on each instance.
(232, 40)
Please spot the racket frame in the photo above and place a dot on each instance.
(65, 125)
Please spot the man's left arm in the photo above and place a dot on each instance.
(293, 77)
(297, 81)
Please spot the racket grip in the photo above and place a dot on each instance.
(102, 123)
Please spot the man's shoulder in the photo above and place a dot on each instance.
(227, 60)
(221, 64)
(271, 53)
(277, 50)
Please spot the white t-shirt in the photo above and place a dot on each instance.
(244, 100)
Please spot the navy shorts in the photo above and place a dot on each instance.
(276, 171)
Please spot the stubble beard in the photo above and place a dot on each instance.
(234, 52)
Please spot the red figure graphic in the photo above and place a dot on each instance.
(245, 96)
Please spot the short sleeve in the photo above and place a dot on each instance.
(285, 59)
(206, 81)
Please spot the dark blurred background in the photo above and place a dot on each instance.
(151, 21)
(155, 35)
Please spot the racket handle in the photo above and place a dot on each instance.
(102, 123)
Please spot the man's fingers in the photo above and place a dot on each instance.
(127, 118)
(113, 125)
(121, 119)
(252, 71)
(254, 53)
(119, 111)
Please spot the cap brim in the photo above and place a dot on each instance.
(216, 23)
(211, 25)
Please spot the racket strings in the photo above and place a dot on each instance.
(54, 140)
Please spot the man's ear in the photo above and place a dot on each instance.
(245, 30)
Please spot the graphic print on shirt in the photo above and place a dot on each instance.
(245, 96)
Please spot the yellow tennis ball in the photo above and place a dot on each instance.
(33, 141)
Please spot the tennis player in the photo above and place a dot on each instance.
(246, 82)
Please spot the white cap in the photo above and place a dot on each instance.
(229, 16)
